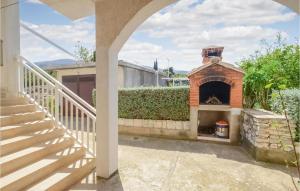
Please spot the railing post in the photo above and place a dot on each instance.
(56, 101)
(63, 97)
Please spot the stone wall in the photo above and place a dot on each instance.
(159, 128)
(266, 136)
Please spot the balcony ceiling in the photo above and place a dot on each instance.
(73, 9)
(76, 9)
(292, 4)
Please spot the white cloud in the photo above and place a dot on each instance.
(238, 25)
(77, 31)
(43, 53)
(239, 42)
(177, 33)
(66, 36)
(189, 14)
(34, 1)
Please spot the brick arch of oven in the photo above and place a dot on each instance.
(215, 79)
(194, 91)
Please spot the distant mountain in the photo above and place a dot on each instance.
(55, 63)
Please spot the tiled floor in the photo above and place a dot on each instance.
(147, 164)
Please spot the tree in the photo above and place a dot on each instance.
(155, 65)
(84, 54)
(93, 59)
(276, 64)
(169, 72)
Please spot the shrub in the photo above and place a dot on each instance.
(291, 99)
(277, 64)
(168, 103)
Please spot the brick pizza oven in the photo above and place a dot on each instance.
(216, 96)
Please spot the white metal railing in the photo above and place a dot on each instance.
(67, 109)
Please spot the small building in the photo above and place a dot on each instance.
(81, 78)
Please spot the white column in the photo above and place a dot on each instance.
(10, 34)
(107, 112)
(1, 47)
(116, 20)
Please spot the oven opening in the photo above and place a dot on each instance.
(214, 93)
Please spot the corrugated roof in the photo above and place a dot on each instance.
(92, 65)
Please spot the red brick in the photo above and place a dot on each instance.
(229, 76)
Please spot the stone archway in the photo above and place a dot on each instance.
(120, 19)
(116, 20)
(152, 6)
(143, 14)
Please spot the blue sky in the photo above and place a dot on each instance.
(175, 35)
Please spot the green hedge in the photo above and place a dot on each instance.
(291, 100)
(167, 103)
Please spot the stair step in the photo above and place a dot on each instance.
(21, 142)
(34, 148)
(14, 109)
(15, 161)
(90, 180)
(21, 118)
(64, 178)
(34, 154)
(3, 89)
(13, 101)
(11, 131)
(3, 92)
(28, 176)
(3, 95)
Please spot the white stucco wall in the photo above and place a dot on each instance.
(1, 72)
(1, 59)
(10, 34)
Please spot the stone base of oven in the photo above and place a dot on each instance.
(213, 139)
(233, 119)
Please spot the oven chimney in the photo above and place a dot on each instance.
(210, 53)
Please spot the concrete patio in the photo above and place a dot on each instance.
(161, 164)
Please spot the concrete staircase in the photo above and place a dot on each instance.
(36, 155)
